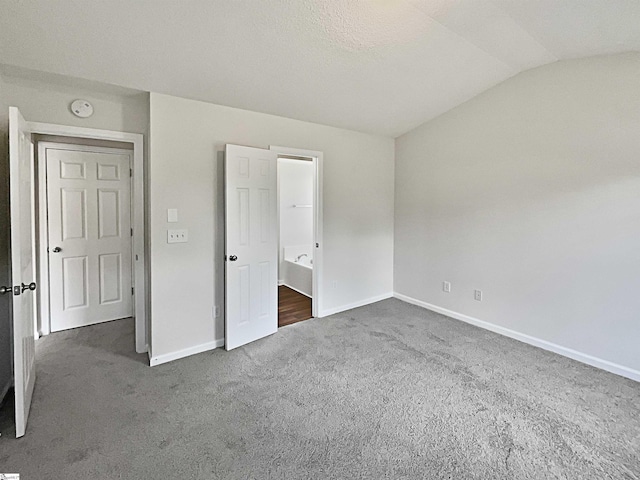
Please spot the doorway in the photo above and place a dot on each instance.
(252, 254)
(85, 232)
(296, 178)
(95, 138)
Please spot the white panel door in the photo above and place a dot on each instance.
(89, 233)
(251, 247)
(22, 265)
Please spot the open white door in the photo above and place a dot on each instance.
(251, 247)
(22, 265)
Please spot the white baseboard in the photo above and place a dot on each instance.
(296, 290)
(536, 342)
(361, 303)
(169, 357)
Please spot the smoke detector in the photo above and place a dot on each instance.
(81, 108)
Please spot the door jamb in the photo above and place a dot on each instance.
(318, 255)
(137, 218)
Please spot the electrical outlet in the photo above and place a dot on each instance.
(446, 287)
(177, 236)
(216, 311)
(334, 284)
(477, 294)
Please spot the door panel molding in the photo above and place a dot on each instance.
(95, 215)
(23, 269)
(251, 243)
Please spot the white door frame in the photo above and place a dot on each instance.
(137, 217)
(316, 157)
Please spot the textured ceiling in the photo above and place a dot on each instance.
(378, 66)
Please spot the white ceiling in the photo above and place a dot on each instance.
(378, 66)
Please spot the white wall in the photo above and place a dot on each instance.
(45, 98)
(295, 187)
(531, 192)
(187, 139)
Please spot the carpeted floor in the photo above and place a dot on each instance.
(384, 391)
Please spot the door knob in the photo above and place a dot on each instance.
(233, 258)
(31, 286)
(57, 250)
(4, 290)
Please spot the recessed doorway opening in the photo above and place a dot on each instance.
(299, 234)
(85, 231)
(296, 178)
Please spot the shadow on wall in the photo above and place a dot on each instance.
(5, 268)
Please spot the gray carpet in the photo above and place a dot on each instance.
(384, 391)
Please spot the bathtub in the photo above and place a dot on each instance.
(298, 269)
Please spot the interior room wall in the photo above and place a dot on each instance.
(295, 187)
(530, 192)
(187, 143)
(46, 98)
(6, 350)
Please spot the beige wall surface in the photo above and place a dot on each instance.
(187, 140)
(531, 193)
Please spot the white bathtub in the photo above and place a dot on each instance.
(298, 269)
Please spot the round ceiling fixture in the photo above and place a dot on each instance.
(82, 108)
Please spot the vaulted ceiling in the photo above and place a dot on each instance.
(378, 66)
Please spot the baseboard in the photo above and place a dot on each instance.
(296, 290)
(169, 357)
(522, 337)
(361, 303)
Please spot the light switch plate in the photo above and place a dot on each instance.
(177, 236)
(172, 215)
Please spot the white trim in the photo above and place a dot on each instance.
(360, 303)
(295, 290)
(536, 342)
(169, 357)
(43, 320)
(138, 202)
(318, 252)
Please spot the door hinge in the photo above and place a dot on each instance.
(131, 290)
(131, 172)
(132, 232)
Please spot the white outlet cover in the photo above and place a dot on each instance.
(177, 236)
(172, 215)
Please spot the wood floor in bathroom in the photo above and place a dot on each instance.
(292, 306)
